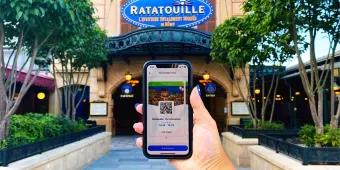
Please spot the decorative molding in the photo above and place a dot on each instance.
(142, 41)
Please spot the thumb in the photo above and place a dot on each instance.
(197, 105)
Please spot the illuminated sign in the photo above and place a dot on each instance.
(167, 13)
(210, 89)
(127, 91)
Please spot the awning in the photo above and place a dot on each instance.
(166, 41)
(43, 80)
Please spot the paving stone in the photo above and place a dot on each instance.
(124, 155)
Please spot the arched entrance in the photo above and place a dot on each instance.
(168, 43)
(215, 103)
(124, 112)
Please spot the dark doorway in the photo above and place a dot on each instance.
(215, 105)
(124, 111)
(82, 96)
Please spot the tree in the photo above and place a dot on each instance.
(72, 61)
(237, 44)
(303, 20)
(28, 27)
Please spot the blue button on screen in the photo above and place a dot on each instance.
(168, 148)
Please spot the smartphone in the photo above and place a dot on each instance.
(167, 115)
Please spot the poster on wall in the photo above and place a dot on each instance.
(167, 13)
(98, 109)
(239, 109)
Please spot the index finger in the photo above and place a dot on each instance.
(139, 108)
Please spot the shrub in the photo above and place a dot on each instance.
(330, 138)
(69, 126)
(307, 134)
(265, 125)
(34, 127)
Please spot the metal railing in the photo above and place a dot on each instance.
(253, 133)
(307, 155)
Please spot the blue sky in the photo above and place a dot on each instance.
(322, 47)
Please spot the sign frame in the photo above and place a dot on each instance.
(233, 109)
(99, 104)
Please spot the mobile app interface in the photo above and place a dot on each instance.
(167, 110)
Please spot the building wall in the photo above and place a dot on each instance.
(109, 19)
(102, 91)
(108, 12)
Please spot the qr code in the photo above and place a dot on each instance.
(165, 107)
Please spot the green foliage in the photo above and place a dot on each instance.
(3, 144)
(67, 125)
(307, 134)
(330, 138)
(264, 125)
(83, 50)
(35, 27)
(33, 127)
(47, 22)
(234, 42)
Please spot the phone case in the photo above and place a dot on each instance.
(190, 123)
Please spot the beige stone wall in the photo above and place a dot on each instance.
(262, 158)
(73, 156)
(237, 148)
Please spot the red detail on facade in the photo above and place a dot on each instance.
(42, 80)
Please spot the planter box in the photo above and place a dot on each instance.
(76, 155)
(253, 133)
(237, 148)
(9, 155)
(307, 155)
(263, 158)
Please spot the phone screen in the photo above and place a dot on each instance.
(167, 109)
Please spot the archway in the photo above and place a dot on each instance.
(124, 112)
(215, 103)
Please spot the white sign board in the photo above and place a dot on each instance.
(239, 109)
(98, 109)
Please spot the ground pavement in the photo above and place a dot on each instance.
(124, 155)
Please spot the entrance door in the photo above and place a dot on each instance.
(124, 111)
(215, 104)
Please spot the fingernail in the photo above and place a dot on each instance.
(136, 105)
(199, 90)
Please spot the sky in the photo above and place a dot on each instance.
(322, 47)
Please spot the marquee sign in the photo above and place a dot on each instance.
(166, 13)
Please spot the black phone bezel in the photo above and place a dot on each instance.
(190, 124)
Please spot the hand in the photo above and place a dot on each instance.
(208, 152)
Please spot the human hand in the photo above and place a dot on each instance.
(208, 152)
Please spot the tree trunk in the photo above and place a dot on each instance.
(2, 129)
(334, 122)
(3, 106)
